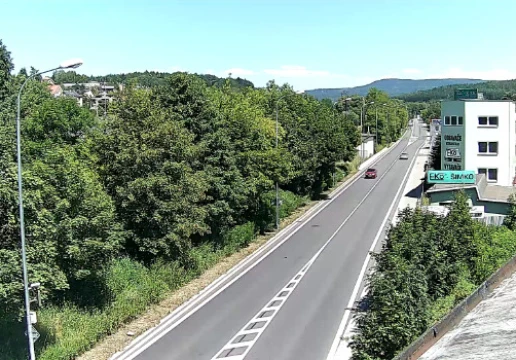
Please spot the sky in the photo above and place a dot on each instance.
(305, 43)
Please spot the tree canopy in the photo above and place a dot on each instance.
(427, 265)
(492, 90)
(144, 79)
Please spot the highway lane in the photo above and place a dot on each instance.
(320, 295)
(305, 327)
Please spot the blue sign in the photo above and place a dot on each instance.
(451, 177)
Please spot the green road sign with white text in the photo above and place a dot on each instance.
(451, 177)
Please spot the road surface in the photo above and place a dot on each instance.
(289, 305)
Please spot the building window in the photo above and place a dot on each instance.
(488, 120)
(488, 147)
(453, 120)
(491, 174)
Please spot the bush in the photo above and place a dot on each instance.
(427, 266)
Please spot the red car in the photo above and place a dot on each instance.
(370, 174)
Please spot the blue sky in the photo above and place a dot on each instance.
(309, 44)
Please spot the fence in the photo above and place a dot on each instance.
(492, 220)
(432, 335)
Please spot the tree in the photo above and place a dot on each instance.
(145, 160)
(510, 220)
(435, 156)
(6, 66)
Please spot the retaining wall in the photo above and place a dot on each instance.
(432, 335)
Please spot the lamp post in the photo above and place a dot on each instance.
(388, 120)
(363, 115)
(71, 64)
(277, 184)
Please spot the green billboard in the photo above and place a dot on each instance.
(451, 177)
(460, 94)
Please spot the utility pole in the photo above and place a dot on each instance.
(277, 185)
(376, 129)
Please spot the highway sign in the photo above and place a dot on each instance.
(451, 177)
(35, 333)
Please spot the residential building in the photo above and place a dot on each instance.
(480, 135)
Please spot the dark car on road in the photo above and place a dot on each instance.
(370, 173)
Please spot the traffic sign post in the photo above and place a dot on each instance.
(35, 333)
(451, 177)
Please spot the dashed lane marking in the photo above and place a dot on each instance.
(240, 344)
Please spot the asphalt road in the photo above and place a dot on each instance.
(304, 309)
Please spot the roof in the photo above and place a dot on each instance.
(486, 333)
(485, 192)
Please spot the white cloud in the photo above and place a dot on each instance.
(239, 72)
(296, 71)
(411, 71)
(494, 74)
(177, 69)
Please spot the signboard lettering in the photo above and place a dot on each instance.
(451, 177)
(452, 166)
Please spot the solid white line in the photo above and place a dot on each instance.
(347, 312)
(169, 323)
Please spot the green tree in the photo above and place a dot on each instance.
(6, 66)
(145, 160)
(435, 155)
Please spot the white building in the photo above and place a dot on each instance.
(366, 148)
(480, 135)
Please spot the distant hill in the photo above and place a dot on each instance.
(393, 87)
(492, 90)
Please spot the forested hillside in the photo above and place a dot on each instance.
(393, 87)
(492, 90)
(145, 79)
(122, 210)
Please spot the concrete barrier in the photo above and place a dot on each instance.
(432, 335)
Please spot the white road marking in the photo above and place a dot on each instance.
(170, 322)
(237, 351)
(240, 344)
(347, 312)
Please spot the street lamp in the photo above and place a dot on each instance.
(70, 64)
(388, 120)
(363, 115)
(346, 100)
(277, 184)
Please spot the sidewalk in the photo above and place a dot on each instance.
(413, 188)
(411, 194)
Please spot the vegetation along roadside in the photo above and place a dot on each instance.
(126, 208)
